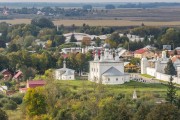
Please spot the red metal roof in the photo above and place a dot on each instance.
(19, 73)
(36, 83)
(140, 51)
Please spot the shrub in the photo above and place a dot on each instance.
(3, 115)
(16, 99)
(4, 100)
(1, 95)
(11, 105)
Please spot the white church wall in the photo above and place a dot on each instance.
(111, 80)
(69, 77)
(151, 71)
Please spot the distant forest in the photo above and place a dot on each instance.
(94, 5)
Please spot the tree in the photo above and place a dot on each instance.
(80, 58)
(42, 22)
(35, 102)
(171, 91)
(115, 37)
(142, 111)
(163, 112)
(97, 41)
(73, 39)
(110, 6)
(28, 40)
(170, 70)
(3, 115)
(59, 40)
(115, 111)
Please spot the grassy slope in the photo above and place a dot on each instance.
(143, 90)
(126, 88)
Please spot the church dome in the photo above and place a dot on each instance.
(106, 45)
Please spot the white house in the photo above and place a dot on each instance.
(107, 69)
(80, 36)
(64, 73)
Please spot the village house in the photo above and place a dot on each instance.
(80, 36)
(143, 52)
(32, 84)
(18, 76)
(6, 74)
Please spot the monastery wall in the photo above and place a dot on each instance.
(151, 71)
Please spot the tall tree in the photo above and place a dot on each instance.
(170, 70)
(73, 39)
(171, 91)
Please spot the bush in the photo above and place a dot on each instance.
(4, 100)
(11, 105)
(17, 99)
(1, 95)
(3, 115)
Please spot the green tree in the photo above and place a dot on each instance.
(142, 111)
(73, 39)
(42, 22)
(80, 58)
(35, 102)
(171, 91)
(115, 37)
(115, 111)
(171, 37)
(3, 115)
(163, 112)
(170, 70)
(59, 40)
(97, 41)
(28, 40)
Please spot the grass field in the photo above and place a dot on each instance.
(126, 88)
(99, 22)
(147, 76)
(14, 114)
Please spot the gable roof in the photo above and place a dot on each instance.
(112, 72)
(36, 83)
(5, 71)
(140, 51)
(17, 74)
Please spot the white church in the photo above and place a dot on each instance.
(107, 69)
(64, 73)
(156, 67)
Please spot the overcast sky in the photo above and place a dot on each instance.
(84, 1)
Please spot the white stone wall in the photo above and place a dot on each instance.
(166, 77)
(151, 71)
(162, 76)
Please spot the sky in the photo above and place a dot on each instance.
(84, 1)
